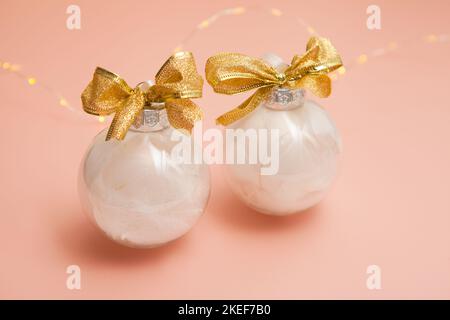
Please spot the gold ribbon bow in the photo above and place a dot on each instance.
(175, 83)
(231, 73)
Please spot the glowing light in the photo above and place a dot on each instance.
(431, 38)
(238, 10)
(362, 59)
(392, 45)
(333, 76)
(178, 49)
(6, 65)
(311, 30)
(101, 119)
(63, 102)
(31, 81)
(276, 12)
(203, 24)
(341, 70)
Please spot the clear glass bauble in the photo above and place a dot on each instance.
(309, 146)
(136, 193)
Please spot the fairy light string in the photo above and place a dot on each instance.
(33, 82)
(361, 59)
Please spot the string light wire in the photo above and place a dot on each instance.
(361, 59)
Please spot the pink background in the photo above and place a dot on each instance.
(390, 205)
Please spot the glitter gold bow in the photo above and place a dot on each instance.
(176, 82)
(231, 73)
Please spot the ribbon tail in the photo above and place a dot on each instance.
(317, 84)
(125, 116)
(182, 114)
(245, 108)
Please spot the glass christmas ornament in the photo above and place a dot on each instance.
(308, 152)
(134, 191)
(308, 140)
(309, 146)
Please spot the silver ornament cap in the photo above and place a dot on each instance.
(154, 116)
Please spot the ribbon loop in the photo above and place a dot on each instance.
(179, 76)
(176, 82)
(320, 57)
(105, 93)
(231, 73)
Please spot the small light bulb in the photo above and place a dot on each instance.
(393, 45)
(311, 30)
(362, 59)
(432, 38)
(203, 24)
(63, 102)
(239, 10)
(276, 12)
